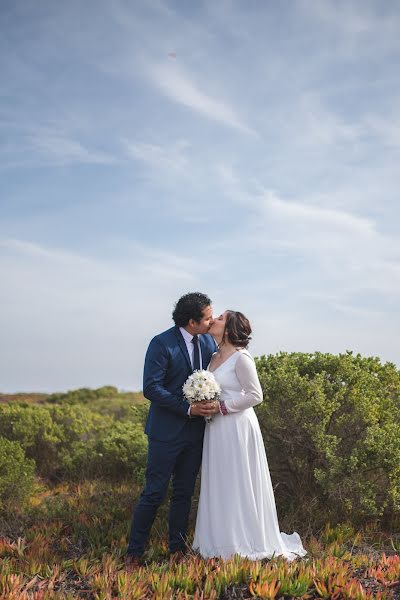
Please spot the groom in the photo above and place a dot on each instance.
(174, 428)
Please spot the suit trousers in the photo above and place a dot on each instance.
(179, 459)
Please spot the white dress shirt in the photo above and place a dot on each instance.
(190, 347)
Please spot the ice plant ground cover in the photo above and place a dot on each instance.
(71, 542)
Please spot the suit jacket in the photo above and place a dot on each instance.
(166, 368)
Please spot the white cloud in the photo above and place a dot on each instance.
(341, 15)
(165, 158)
(346, 17)
(178, 86)
(323, 126)
(338, 252)
(386, 128)
(358, 312)
(46, 145)
(59, 149)
(317, 216)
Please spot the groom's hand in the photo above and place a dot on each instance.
(202, 409)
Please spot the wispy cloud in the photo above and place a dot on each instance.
(138, 259)
(346, 254)
(268, 203)
(323, 126)
(316, 216)
(48, 146)
(62, 150)
(346, 16)
(385, 128)
(165, 158)
(179, 87)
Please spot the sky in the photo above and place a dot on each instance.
(247, 150)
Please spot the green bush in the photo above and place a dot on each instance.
(17, 475)
(84, 395)
(331, 425)
(106, 400)
(123, 450)
(80, 429)
(32, 427)
(61, 439)
(73, 442)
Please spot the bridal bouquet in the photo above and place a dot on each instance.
(201, 385)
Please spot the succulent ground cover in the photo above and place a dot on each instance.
(71, 543)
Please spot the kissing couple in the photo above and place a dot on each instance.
(236, 512)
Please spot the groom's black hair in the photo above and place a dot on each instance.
(190, 306)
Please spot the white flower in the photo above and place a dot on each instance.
(201, 385)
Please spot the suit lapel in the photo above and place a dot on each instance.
(183, 347)
(205, 352)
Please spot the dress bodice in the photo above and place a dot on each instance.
(238, 379)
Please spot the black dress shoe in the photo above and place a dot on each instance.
(132, 563)
(177, 557)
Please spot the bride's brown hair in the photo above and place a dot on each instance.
(237, 329)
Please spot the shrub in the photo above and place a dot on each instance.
(106, 400)
(73, 442)
(84, 395)
(123, 451)
(33, 428)
(17, 475)
(61, 439)
(332, 430)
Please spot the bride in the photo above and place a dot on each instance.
(237, 512)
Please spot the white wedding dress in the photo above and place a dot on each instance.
(237, 512)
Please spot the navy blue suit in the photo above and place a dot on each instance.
(175, 440)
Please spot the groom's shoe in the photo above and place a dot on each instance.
(132, 563)
(177, 557)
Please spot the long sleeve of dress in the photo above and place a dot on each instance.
(246, 373)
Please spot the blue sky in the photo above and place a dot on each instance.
(249, 150)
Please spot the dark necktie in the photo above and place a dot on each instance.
(196, 353)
